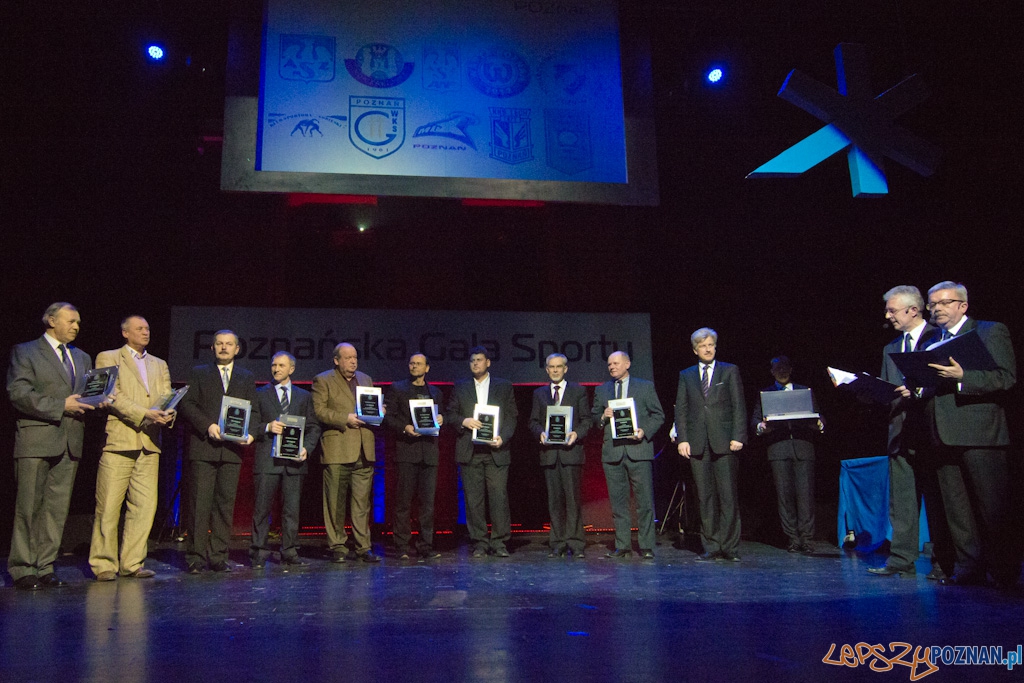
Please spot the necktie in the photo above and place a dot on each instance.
(556, 388)
(66, 359)
(618, 388)
(284, 400)
(225, 380)
(946, 335)
(908, 343)
(705, 382)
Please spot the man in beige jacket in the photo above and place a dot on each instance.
(130, 464)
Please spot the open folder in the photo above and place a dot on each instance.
(864, 385)
(967, 349)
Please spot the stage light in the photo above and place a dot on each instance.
(715, 75)
(155, 52)
(362, 227)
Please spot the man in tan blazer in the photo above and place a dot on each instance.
(130, 464)
(349, 454)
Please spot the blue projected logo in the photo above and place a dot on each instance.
(306, 58)
(511, 139)
(857, 120)
(452, 127)
(377, 124)
(441, 67)
(499, 72)
(379, 66)
(567, 134)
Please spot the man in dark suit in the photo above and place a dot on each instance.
(912, 469)
(271, 473)
(213, 463)
(349, 452)
(484, 466)
(629, 462)
(967, 420)
(790, 445)
(43, 384)
(711, 418)
(416, 457)
(562, 463)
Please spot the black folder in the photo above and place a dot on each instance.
(967, 349)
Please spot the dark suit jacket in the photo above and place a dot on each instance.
(787, 439)
(460, 406)
(575, 397)
(37, 385)
(397, 418)
(201, 407)
(717, 419)
(904, 414)
(649, 417)
(301, 404)
(975, 415)
(333, 402)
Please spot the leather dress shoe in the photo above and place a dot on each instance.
(557, 553)
(51, 580)
(708, 557)
(806, 549)
(579, 555)
(479, 552)
(428, 553)
(369, 557)
(646, 554)
(618, 554)
(258, 563)
(140, 573)
(293, 561)
(936, 574)
(106, 576)
(220, 567)
(27, 583)
(892, 570)
(404, 555)
(794, 547)
(728, 557)
(338, 556)
(501, 551)
(194, 568)
(964, 579)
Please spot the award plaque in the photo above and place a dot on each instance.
(234, 419)
(99, 384)
(559, 424)
(424, 416)
(171, 399)
(288, 444)
(623, 417)
(488, 415)
(369, 405)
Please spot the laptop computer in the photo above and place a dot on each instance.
(788, 405)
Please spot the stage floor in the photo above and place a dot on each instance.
(774, 616)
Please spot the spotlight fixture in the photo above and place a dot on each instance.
(715, 75)
(155, 52)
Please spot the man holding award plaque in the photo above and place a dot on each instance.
(44, 383)
(628, 454)
(711, 418)
(284, 439)
(349, 454)
(483, 411)
(559, 419)
(130, 465)
(412, 416)
(215, 457)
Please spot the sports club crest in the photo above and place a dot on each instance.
(379, 66)
(499, 72)
(567, 138)
(511, 141)
(376, 124)
(306, 58)
(441, 68)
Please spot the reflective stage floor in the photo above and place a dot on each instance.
(774, 616)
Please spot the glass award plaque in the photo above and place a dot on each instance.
(288, 444)
(370, 405)
(99, 384)
(623, 417)
(559, 424)
(424, 416)
(234, 419)
(171, 399)
(488, 416)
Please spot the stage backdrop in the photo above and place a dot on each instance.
(518, 341)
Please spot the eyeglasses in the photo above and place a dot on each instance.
(932, 305)
(894, 311)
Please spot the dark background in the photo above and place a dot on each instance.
(110, 199)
